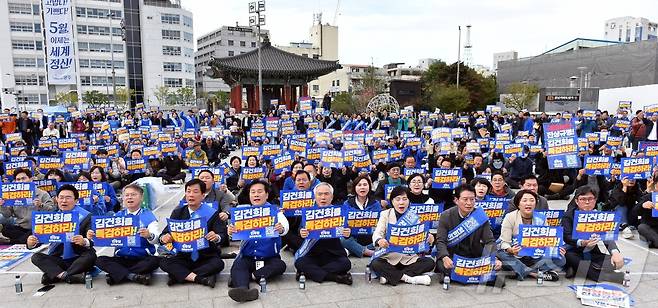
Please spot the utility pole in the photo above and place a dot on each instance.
(114, 79)
(459, 52)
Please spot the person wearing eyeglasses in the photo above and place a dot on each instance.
(601, 258)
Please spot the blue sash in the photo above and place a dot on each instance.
(146, 217)
(331, 123)
(407, 219)
(473, 222)
(68, 252)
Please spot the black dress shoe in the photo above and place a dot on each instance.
(344, 279)
(206, 281)
(242, 295)
(570, 273)
(171, 281)
(46, 280)
(75, 279)
(144, 279)
(109, 280)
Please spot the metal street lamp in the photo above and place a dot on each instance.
(459, 52)
(258, 20)
(114, 80)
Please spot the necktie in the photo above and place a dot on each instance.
(195, 254)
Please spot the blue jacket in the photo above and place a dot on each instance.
(144, 248)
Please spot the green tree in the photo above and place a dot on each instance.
(124, 95)
(95, 98)
(449, 98)
(162, 94)
(222, 99)
(481, 90)
(343, 103)
(185, 95)
(520, 95)
(67, 98)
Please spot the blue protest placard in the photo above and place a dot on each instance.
(136, 165)
(380, 156)
(188, 235)
(636, 168)
(76, 160)
(561, 145)
(332, 159)
(473, 270)
(269, 151)
(45, 163)
(293, 201)
(18, 193)
(598, 165)
(54, 227)
(410, 171)
(410, 239)
(654, 209)
(313, 154)
(250, 151)
(394, 155)
(539, 241)
(254, 222)
(10, 167)
(553, 217)
(427, 212)
(362, 222)
(115, 231)
(446, 178)
(324, 222)
(283, 163)
(252, 173)
(588, 223)
(495, 209)
(217, 173)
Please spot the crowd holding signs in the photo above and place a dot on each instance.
(415, 192)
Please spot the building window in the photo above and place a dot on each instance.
(25, 62)
(187, 21)
(189, 82)
(27, 45)
(338, 83)
(188, 37)
(189, 68)
(243, 44)
(28, 98)
(188, 52)
(253, 44)
(316, 88)
(171, 50)
(305, 55)
(230, 42)
(32, 80)
(170, 35)
(25, 27)
(172, 19)
(172, 67)
(231, 53)
(173, 82)
(316, 56)
(20, 8)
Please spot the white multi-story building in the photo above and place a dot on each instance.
(226, 41)
(503, 56)
(111, 39)
(630, 29)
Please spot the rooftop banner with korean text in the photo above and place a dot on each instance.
(58, 26)
(561, 145)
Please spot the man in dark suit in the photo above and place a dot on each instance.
(325, 259)
(479, 243)
(66, 261)
(202, 265)
(593, 258)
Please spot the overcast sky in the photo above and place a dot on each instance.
(389, 31)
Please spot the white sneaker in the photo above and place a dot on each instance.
(382, 280)
(627, 233)
(422, 279)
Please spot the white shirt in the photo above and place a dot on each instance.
(152, 227)
(51, 132)
(361, 206)
(654, 132)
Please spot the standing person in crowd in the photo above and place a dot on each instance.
(132, 263)
(648, 227)
(394, 267)
(257, 258)
(203, 265)
(66, 261)
(26, 127)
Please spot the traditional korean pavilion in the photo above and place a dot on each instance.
(285, 75)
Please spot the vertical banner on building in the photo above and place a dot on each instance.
(58, 25)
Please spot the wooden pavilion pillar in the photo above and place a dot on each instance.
(287, 96)
(236, 97)
(250, 98)
(256, 105)
(305, 89)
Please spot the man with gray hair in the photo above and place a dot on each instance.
(323, 259)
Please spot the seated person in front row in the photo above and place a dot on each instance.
(132, 263)
(394, 267)
(478, 243)
(592, 258)
(525, 202)
(199, 266)
(70, 260)
(18, 232)
(257, 258)
(323, 259)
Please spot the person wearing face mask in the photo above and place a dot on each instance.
(599, 258)
(362, 200)
(395, 267)
(323, 259)
(476, 242)
(517, 168)
(257, 258)
(312, 172)
(526, 201)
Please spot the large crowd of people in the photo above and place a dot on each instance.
(178, 146)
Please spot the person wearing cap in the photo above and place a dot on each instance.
(392, 178)
(197, 154)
